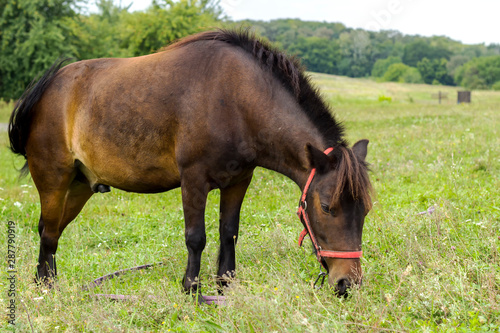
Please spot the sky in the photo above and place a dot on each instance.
(469, 22)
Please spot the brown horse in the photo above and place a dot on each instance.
(200, 114)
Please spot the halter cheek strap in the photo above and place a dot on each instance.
(302, 213)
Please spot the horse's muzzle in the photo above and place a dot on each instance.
(342, 287)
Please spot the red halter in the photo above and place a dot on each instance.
(302, 213)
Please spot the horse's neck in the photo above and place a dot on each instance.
(283, 143)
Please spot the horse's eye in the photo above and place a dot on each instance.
(327, 210)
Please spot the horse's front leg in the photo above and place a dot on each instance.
(230, 206)
(194, 197)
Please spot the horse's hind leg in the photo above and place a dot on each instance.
(60, 204)
(230, 206)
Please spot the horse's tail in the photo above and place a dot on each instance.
(20, 119)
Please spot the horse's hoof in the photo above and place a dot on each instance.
(198, 298)
(44, 282)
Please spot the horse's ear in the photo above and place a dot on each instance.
(360, 149)
(318, 159)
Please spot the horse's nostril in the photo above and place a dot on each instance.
(342, 286)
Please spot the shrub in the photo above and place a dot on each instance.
(412, 75)
(381, 65)
(383, 98)
(395, 72)
(402, 73)
(496, 86)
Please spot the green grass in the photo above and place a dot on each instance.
(438, 272)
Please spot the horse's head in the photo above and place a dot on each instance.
(337, 201)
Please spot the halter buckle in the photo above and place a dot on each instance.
(322, 276)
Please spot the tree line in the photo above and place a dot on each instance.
(386, 55)
(34, 33)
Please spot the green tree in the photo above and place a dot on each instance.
(33, 34)
(356, 53)
(381, 65)
(101, 34)
(395, 72)
(426, 69)
(455, 62)
(420, 49)
(317, 54)
(411, 75)
(496, 86)
(166, 21)
(434, 71)
(479, 73)
(400, 72)
(441, 71)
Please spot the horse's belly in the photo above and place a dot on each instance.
(131, 151)
(131, 171)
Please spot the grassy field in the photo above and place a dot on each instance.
(437, 272)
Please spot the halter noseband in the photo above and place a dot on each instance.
(302, 213)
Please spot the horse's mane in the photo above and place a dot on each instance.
(352, 174)
(287, 70)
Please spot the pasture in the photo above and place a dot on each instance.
(434, 272)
